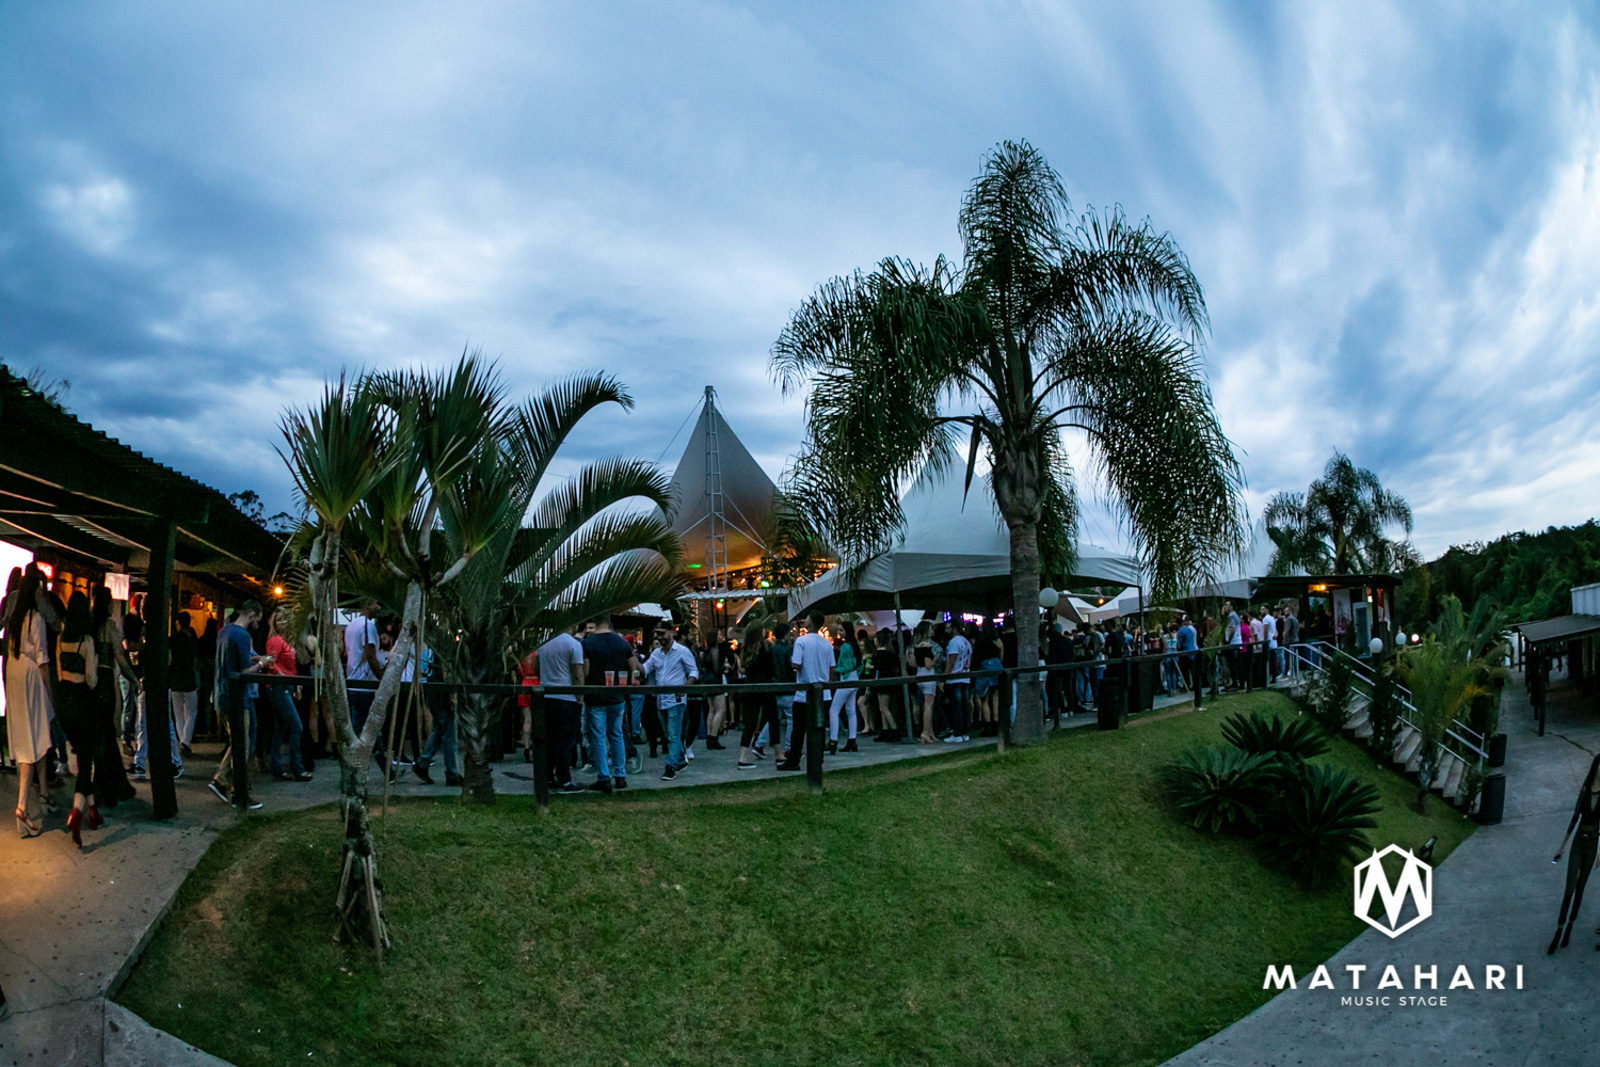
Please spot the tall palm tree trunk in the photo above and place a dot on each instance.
(1028, 728)
(475, 722)
(476, 719)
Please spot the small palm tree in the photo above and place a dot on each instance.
(568, 557)
(386, 462)
(1340, 524)
(1054, 322)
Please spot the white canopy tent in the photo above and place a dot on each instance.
(1237, 583)
(954, 555)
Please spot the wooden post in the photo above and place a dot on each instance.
(905, 684)
(157, 653)
(814, 734)
(537, 738)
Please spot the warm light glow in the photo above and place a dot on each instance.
(46, 569)
(1319, 589)
(277, 590)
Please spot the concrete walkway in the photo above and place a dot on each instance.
(73, 923)
(1495, 901)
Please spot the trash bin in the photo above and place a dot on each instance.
(1497, 750)
(1112, 705)
(1492, 805)
(1147, 679)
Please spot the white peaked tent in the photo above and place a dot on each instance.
(954, 555)
(716, 460)
(1237, 583)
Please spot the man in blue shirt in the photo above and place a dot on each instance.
(671, 664)
(236, 654)
(1188, 644)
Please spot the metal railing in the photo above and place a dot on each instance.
(1118, 670)
(1459, 741)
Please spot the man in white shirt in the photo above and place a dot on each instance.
(361, 660)
(1270, 622)
(958, 659)
(1235, 643)
(671, 664)
(813, 662)
(561, 663)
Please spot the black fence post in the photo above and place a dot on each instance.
(541, 754)
(238, 744)
(814, 732)
(1196, 666)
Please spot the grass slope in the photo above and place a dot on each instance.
(1042, 908)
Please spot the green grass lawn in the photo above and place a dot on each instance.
(1041, 908)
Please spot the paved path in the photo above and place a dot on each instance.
(1495, 901)
(72, 923)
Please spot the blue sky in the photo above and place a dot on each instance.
(208, 209)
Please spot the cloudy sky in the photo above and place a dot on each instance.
(208, 209)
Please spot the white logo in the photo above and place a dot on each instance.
(1372, 880)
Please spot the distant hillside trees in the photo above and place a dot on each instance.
(1527, 575)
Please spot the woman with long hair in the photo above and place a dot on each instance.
(286, 717)
(849, 667)
(111, 785)
(886, 664)
(986, 691)
(1586, 820)
(77, 676)
(724, 671)
(755, 655)
(920, 658)
(27, 658)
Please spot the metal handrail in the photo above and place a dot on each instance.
(1475, 747)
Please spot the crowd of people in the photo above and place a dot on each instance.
(74, 680)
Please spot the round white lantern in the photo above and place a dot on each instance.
(1048, 598)
(1399, 639)
(1376, 645)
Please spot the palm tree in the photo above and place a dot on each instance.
(1054, 322)
(387, 461)
(1339, 524)
(565, 559)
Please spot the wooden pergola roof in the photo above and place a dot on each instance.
(66, 488)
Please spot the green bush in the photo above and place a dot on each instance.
(1329, 694)
(1384, 712)
(1222, 787)
(1315, 823)
(1258, 734)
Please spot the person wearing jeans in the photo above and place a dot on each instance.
(608, 660)
(443, 737)
(672, 665)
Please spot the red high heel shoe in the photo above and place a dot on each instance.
(75, 824)
(96, 820)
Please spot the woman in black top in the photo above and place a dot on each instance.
(755, 663)
(1586, 820)
(111, 785)
(886, 664)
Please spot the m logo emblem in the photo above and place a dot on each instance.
(1416, 881)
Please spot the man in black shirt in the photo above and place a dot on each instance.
(608, 660)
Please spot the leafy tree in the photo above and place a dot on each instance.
(1525, 575)
(1339, 525)
(1054, 322)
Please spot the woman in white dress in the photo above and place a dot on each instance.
(27, 699)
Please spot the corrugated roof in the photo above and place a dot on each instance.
(1562, 628)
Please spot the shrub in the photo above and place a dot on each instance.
(1315, 823)
(1329, 694)
(1222, 787)
(1257, 734)
(1384, 714)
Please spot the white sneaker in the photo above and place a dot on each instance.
(952, 740)
(688, 754)
(966, 737)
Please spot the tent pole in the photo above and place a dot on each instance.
(905, 686)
